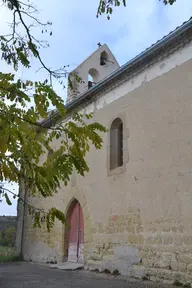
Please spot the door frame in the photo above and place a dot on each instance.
(67, 228)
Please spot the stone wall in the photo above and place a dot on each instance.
(163, 253)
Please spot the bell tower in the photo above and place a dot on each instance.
(91, 71)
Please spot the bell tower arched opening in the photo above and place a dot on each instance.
(93, 77)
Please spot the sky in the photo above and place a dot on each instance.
(76, 32)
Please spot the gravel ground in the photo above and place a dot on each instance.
(30, 275)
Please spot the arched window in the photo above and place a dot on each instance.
(116, 144)
(93, 77)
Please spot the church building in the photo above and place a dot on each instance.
(132, 212)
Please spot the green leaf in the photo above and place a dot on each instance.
(7, 199)
(24, 140)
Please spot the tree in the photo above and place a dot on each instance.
(7, 237)
(2, 238)
(106, 6)
(23, 138)
(10, 236)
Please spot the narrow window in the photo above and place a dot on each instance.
(116, 144)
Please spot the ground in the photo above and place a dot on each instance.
(29, 275)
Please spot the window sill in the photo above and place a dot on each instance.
(117, 170)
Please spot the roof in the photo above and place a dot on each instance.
(146, 55)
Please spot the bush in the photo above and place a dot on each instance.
(7, 237)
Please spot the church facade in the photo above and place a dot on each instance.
(133, 211)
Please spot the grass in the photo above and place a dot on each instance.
(7, 254)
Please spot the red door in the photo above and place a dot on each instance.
(76, 235)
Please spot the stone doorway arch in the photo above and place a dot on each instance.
(74, 233)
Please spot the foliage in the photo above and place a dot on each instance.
(2, 238)
(23, 137)
(11, 258)
(7, 222)
(7, 237)
(106, 6)
(7, 254)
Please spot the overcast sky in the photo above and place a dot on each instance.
(76, 32)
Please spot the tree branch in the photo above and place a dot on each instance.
(36, 124)
(2, 189)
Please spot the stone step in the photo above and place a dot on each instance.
(67, 266)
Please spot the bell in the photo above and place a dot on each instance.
(102, 60)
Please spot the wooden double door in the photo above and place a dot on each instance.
(76, 235)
